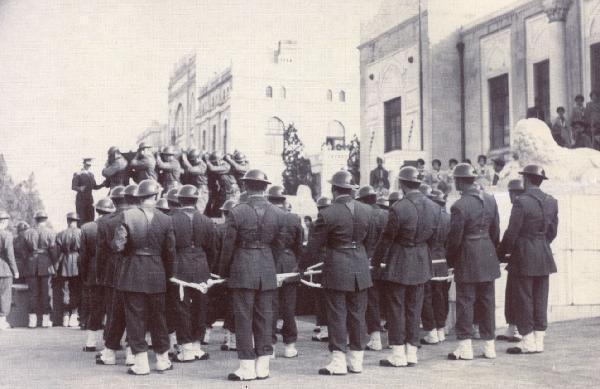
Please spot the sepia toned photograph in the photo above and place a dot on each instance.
(292, 194)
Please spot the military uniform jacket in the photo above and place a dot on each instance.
(22, 254)
(8, 265)
(143, 167)
(195, 175)
(251, 240)
(195, 243)
(473, 237)
(532, 227)
(347, 229)
(438, 244)
(85, 179)
(145, 237)
(41, 244)
(87, 254)
(403, 246)
(116, 173)
(169, 173)
(290, 251)
(108, 260)
(380, 216)
(68, 242)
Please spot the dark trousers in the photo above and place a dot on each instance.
(146, 311)
(253, 312)
(532, 303)
(39, 295)
(469, 295)
(320, 306)
(66, 293)
(84, 306)
(435, 305)
(115, 318)
(96, 307)
(191, 316)
(171, 299)
(284, 306)
(511, 295)
(219, 307)
(404, 313)
(346, 317)
(373, 315)
(85, 212)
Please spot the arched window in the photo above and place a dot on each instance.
(342, 96)
(282, 93)
(274, 136)
(336, 134)
(179, 120)
(269, 92)
(225, 136)
(329, 95)
(214, 138)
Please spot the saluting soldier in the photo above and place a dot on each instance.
(435, 301)
(287, 256)
(515, 189)
(195, 254)
(322, 333)
(170, 171)
(367, 195)
(195, 173)
(90, 275)
(40, 241)
(471, 251)
(346, 228)
(224, 173)
(115, 171)
(83, 183)
(247, 259)
(145, 237)
(143, 165)
(239, 166)
(532, 227)
(404, 249)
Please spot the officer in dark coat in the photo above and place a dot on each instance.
(515, 189)
(435, 300)
(346, 228)
(251, 240)
(143, 164)
(145, 237)
(116, 171)
(83, 183)
(88, 272)
(196, 252)
(471, 250)
(284, 301)
(368, 196)
(532, 227)
(404, 250)
(322, 334)
(41, 245)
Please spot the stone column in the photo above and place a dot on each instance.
(557, 10)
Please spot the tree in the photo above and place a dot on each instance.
(354, 159)
(298, 170)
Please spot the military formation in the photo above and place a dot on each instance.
(154, 268)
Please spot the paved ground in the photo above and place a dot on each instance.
(51, 358)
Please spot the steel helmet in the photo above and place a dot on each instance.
(342, 179)
(323, 202)
(188, 191)
(409, 174)
(4, 215)
(144, 145)
(256, 175)
(366, 191)
(437, 196)
(464, 170)
(117, 192)
(162, 204)
(275, 193)
(113, 150)
(40, 215)
(383, 201)
(130, 190)
(105, 205)
(534, 170)
(239, 157)
(516, 185)
(215, 156)
(22, 226)
(172, 196)
(169, 150)
(227, 205)
(425, 189)
(72, 216)
(194, 154)
(394, 196)
(147, 188)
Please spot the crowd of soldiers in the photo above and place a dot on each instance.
(146, 265)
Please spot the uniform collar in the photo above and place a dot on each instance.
(343, 199)
(413, 194)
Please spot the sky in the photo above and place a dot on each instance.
(77, 77)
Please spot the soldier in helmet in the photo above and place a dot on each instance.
(435, 300)
(515, 189)
(404, 248)
(195, 173)
(116, 171)
(393, 197)
(239, 166)
(21, 252)
(8, 269)
(143, 164)
(322, 333)
(170, 170)
(224, 174)
(252, 234)
(288, 254)
(40, 242)
(88, 271)
(195, 254)
(533, 225)
(145, 237)
(367, 195)
(471, 250)
(346, 228)
(83, 183)
(163, 205)
(68, 242)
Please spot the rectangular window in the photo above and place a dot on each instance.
(392, 111)
(595, 65)
(499, 112)
(541, 87)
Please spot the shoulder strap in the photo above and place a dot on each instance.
(540, 202)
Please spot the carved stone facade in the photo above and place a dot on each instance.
(182, 103)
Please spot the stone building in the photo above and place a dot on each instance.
(155, 135)
(182, 103)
